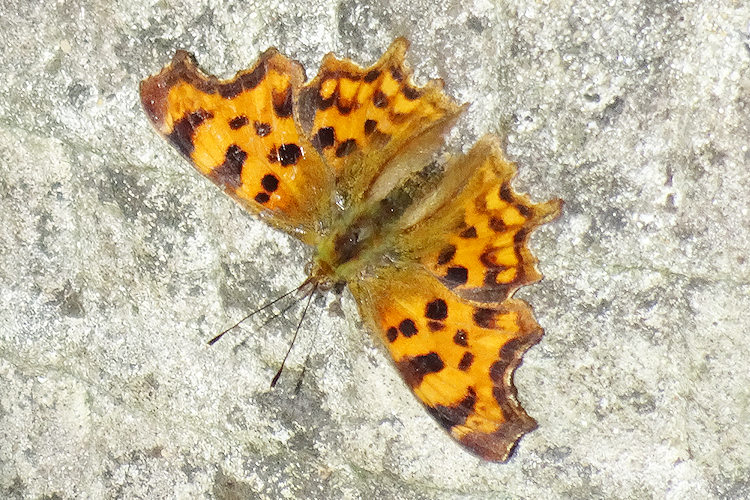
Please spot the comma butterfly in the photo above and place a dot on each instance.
(432, 256)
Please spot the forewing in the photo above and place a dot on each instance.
(458, 356)
(373, 125)
(241, 133)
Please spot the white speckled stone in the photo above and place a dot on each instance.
(118, 263)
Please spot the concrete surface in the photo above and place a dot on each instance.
(118, 262)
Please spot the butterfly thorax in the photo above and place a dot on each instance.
(356, 242)
(346, 250)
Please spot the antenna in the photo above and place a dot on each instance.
(263, 307)
(296, 331)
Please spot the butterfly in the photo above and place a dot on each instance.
(432, 252)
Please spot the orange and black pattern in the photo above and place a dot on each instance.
(337, 162)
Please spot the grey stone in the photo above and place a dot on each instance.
(119, 263)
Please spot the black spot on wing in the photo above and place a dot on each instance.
(484, 317)
(229, 173)
(344, 107)
(370, 126)
(184, 130)
(524, 210)
(283, 103)
(436, 310)
(456, 276)
(435, 326)
(415, 368)
(324, 104)
(391, 334)
(446, 255)
(372, 75)
(262, 129)
(346, 148)
(411, 93)
(469, 233)
(450, 416)
(461, 338)
(506, 193)
(270, 183)
(289, 154)
(324, 138)
(466, 361)
(408, 328)
(238, 122)
(379, 99)
(497, 224)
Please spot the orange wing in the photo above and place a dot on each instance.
(473, 233)
(373, 125)
(241, 133)
(446, 316)
(458, 356)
